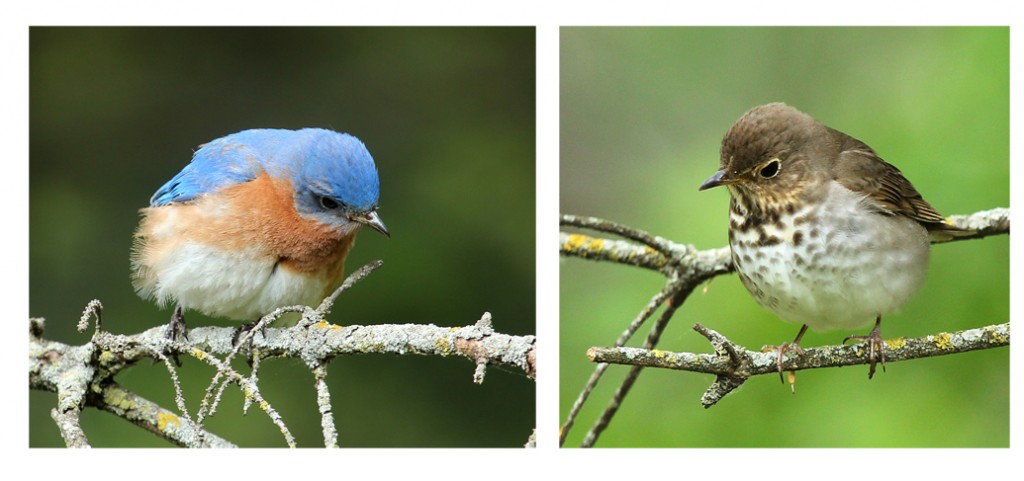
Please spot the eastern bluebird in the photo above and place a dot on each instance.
(258, 220)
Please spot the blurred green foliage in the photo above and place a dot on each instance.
(643, 111)
(449, 116)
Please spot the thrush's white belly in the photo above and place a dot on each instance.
(857, 264)
(234, 284)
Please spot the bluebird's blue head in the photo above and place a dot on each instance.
(337, 183)
(333, 176)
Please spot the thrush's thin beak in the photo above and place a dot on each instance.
(372, 220)
(720, 178)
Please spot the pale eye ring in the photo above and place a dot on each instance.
(769, 169)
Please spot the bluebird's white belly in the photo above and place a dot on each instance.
(225, 283)
(848, 268)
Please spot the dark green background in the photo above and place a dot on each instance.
(643, 111)
(449, 116)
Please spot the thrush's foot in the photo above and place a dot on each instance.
(875, 343)
(788, 346)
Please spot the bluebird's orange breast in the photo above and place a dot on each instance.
(238, 253)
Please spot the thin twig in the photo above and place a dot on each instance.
(179, 396)
(679, 291)
(325, 306)
(615, 250)
(93, 308)
(599, 371)
(249, 389)
(323, 402)
(609, 227)
(70, 429)
(983, 224)
(216, 386)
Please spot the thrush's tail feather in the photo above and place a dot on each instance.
(945, 232)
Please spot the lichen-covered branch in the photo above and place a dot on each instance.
(83, 376)
(69, 370)
(684, 267)
(593, 223)
(154, 418)
(72, 372)
(323, 341)
(323, 402)
(982, 224)
(738, 363)
(70, 430)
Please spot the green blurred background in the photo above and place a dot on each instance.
(643, 111)
(449, 116)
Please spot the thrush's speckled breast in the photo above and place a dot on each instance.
(823, 232)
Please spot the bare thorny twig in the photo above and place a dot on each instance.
(83, 375)
(685, 268)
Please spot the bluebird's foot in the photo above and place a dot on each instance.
(176, 329)
(875, 343)
(176, 326)
(241, 332)
(788, 346)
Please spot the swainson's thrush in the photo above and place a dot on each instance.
(823, 232)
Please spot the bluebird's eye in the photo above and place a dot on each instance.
(769, 170)
(328, 203)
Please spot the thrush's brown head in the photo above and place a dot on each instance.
(770, 155)
(775, 156)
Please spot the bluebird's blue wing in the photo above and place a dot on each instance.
(226, 161)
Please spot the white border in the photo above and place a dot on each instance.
(490, 463)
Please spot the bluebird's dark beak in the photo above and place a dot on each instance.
(372, 220)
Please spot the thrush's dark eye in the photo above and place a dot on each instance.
(328, 203)
(769, 170)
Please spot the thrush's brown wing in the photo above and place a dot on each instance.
(860, 169)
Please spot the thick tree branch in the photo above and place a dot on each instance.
(322, 341)
(82, 376)
(738, 363)
(69, 370)
(685, 267)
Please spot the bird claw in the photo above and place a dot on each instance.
(875, 343)
(241, 332)
(176, 329)
(176, 326)
(794, 346)
(787, 346)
